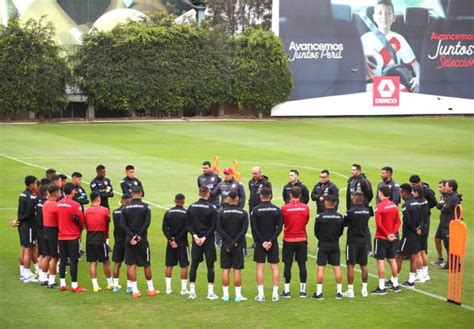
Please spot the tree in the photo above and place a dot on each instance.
(33, 74)
(236, 16)
(262, 77)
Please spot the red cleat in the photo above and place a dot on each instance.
(136, 295)
(63, 288)
(78, 289)
(153, 293)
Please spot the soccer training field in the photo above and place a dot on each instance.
(168, 158)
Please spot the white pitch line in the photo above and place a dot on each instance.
(429, 294)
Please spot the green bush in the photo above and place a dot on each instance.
(33, 74)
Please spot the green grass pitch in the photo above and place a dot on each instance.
(167, 157)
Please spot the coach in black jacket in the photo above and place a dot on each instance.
(322, 189)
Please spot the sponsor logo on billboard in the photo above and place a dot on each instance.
(386, 91)
(314, 51)
(453, 50)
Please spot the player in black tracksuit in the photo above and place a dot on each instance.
(232, 224)
(295, 182)
(358, 182)
(118, 253)
(201, 223)
(422, 270)
(80, 196)
(411, 232)
(356, 220)
(102, 186)
(209, 179)
(136, 218)
(266, 221)
(26, 227)
(328, 228)
(177, 248)
(130, 181)
(256, 184)
(322, 189)
(447, 214)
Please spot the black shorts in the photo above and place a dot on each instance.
(331, 255)
(385, 249)
(69, 249)
(118, 253)
(233, 258)
(445, 237)
(177, 255)
(27, 235)
(424, 242)
(97, 252)
(356, 252)
(295, 250)
(272, 255)
(138, 254)
(51, 242)
(208, 249)
(40, 242)
(439, 234)
(409, 245)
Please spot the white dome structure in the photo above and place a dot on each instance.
(114, 17)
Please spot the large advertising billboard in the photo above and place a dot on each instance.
(377, 57)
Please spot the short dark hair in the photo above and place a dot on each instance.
(206, 163)
(385, 190)
(50, 171)
(126, 196)
(129, 167)
(43, 190)
(53, 189)
(94, 195)
(325, 171)
(453, 184)
(418, 189)
(359, 196)
(203, 190)
(62, 176)
(44, 181)
(76, 175)
(55, 178)
(99, 168)
(330, 198)
(179, 197)
(295, 192)
(30, 180)
(388, 169)
(68, 188)
(265, 192)
(357, 166)
(406, 188)
(136, 190)
(415, 179)
(232, 195)
(385, 2)
(295, 171)
(443, 181)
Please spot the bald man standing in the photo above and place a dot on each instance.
(256, 184)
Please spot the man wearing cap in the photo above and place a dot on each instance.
(228, 185)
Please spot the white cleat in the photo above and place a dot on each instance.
(31, 278)
(192, 295)
(275, 298)
(348, 294)
(212, 297)
(169, 291)
(427, 277)
(184, 292)
(364, 293)
(420, 279)
(259, 298)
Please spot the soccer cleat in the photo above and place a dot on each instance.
(21, 277)
(97, 289)
(184, 292)
(43, 283)
(364, 293)
(408, 284)
(78, 289)
(153, 293)
(212, 297)
(63, 288)
(348, 294)
(444, 266)
(192, 295)
(379, 291)
(110, 287)
(303, 294)
(275, 298)
(427, 277)
(259, 298)
(437, 262)
(129, 290)
(396, 289)
(285, 294)
(239, 299)
(225, 298)
(53, 286)
(116, 289)
(420, 279)
(338, 295)
(31, 278)
(136, 295)
(318, 297)
(169, 291)
(389, 284)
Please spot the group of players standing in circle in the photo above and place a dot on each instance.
(51, 218)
